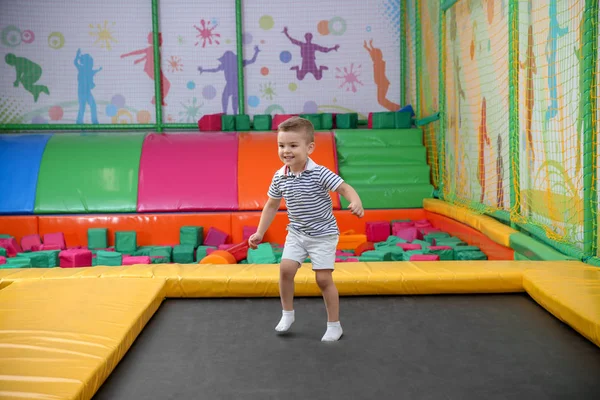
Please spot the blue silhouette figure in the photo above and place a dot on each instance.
(85, 81)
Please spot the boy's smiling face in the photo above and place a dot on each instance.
(294, 149)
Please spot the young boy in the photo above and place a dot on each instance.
(312, 230)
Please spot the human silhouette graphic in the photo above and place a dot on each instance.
(28, 73)
(307, 52)
(85, 83)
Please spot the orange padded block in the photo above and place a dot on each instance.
(19, 226)
(258, 160)
(152, 229)
(493, 250)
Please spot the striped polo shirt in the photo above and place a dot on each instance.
(309, 206)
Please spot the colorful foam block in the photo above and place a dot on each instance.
(390, 241)
(424, 245)
(470, 255)
(57, 238)
(327, 120)
(278, 119)
(97, 238)
(11, 246)
(183, 254)
(215, 237)
(2, 260)
(346, 121)
(402, 120)
(202, 251)
(379, 255)
(424, 257)
(18, 262)
(398, 226)
(191, 235)
(210, 122)
(409, 246)
(75, 258)
(263, 254)
(446, 253)
(408, 254)
(135, 260)
(248, 231)
(52, 257)
(409, 234)
(261, 122)
(378, 231)
(227, 123)
(384, 120)
(240, 251)
(422, 224)
(315, 119)
(159, 260)
(218, 257)
(428, 230)
(3, 252)
(109, 258)
(242, 122)
(126, 242)
(47, 247)
(434, 236)
(29, 241)
(366, 246)
(37, 260)
(458, 249)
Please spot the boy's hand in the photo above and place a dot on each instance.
(255, 240)
(357, 209)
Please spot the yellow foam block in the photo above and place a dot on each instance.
(60, 339)
(570, 294)
(496, 231)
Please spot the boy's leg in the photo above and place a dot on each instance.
(291, 259)
(322, 255)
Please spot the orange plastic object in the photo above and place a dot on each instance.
(219, 257)
(152, 229)
(366, 246)
(258, 161)
(493, 250)
(19, 226)
(350, 240)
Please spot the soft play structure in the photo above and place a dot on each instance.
(468, 127)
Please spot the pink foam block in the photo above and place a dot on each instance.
(215, 237)
(11, 246)
(351, 259)
(422, 223)
(409, 246)
(29, 241)
(440, 248)
(278, 119)
(176, 158)
(248, 231)
(370, 121)
(409, 234)
(210, 250)
(75, 258)
(210, 122)
(339, 260)
(55, 238)
(134, 260)
(396, 226)
(2, 260)
(342, 253)
(378, 231)
(424, 257)
(49, 247)
(225, 246)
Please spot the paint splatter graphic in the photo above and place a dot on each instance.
(175, 64)
(103, 35)
(191, 111)
(206, 34)
(267, 91)
(349, 77)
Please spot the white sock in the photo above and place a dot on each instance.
(287, 319)
(334, 332)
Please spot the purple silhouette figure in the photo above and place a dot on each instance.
(228, 64)
(307, 52)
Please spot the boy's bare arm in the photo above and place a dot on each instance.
(353, 198)
(268, 213)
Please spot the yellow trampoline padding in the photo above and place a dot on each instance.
(571, 294)
(496, 231)
(60, 339)
(262, 280)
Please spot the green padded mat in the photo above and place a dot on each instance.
(380, 196)
(535, 250)
(89, 173)
(378, 138)
(386, 174)
(369, 156)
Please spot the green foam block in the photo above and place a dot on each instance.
(326, 121)
(384, 196)
(126, 242)
(470, 255)
(109, 258)
(261, 122)
(402, 120)
(17, 262)
(382, 254)
(445, 255)
(159, 260)
(242, 122)
(315, 119)
(424, 245)
(263, 254)
(346, 121)
(191, 235)
(37, 260)
(385, 138)
(369, 156)
(201, 252)
(162, 251)
(2, 251)
(466, 248)
(97, 238)
(183, 254)
(406, 256)
(429, 238)
(384, 120)
(387, 174)
(227, 123)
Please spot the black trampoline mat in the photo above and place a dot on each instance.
(406, 347)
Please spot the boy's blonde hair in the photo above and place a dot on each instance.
(297, 124)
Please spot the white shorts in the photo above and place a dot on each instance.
(321, 250)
